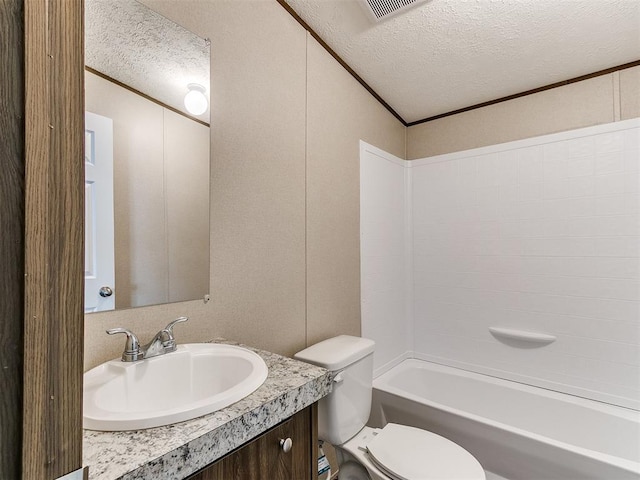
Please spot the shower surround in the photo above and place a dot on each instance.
(538, 236)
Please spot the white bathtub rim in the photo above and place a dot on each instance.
(494, 376)
(615, 410)
(381, 384)
(586, 394)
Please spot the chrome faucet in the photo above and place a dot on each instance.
(163, 342)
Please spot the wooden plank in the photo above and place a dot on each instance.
(53, 323)
(12, 237)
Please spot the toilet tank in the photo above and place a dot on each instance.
(345, 411)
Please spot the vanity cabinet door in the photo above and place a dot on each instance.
(264, 458)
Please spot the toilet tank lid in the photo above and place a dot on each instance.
(337, 353)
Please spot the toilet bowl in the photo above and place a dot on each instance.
(394, 452)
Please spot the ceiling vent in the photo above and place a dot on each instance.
(382, 9)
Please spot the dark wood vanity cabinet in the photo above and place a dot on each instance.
(264, 458)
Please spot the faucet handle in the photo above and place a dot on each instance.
(132, 347)
(169, 328)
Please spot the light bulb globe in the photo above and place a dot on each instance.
(195, 100)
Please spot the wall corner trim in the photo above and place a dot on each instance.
(352, 72)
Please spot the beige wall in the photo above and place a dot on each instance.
(286, 122)
(340, 112)
(599, 100)
(630, 93)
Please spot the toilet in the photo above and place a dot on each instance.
(396, 452)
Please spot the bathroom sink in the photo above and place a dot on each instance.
(195, 380)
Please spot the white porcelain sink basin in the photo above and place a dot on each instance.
(196, 379)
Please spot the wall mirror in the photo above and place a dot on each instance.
(146, 158)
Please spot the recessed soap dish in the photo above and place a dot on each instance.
(511, 336)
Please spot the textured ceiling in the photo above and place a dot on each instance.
(142, 49)
(443, 55)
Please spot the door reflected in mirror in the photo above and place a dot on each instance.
(146, 159)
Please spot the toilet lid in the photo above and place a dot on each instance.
(410, 453)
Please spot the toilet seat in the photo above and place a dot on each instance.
(409, 453)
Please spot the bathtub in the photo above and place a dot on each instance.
(516, 431)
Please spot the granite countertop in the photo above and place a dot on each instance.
(178, 450)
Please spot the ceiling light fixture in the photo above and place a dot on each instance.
(195, 100)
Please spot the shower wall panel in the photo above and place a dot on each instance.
(541, 236)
